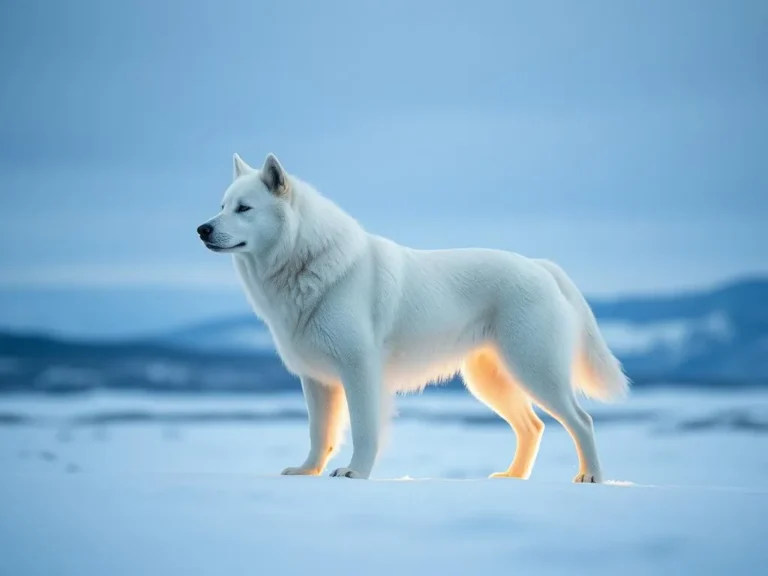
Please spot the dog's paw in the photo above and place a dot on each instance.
(506, 474)
(587, 479)
(345, 473)
(300, 472)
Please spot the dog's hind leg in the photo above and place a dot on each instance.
(538, 351)
(495, 388)
(327, 412)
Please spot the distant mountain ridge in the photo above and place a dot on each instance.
(242, 333)
(709, 337)
(714, 334)
(34, 363)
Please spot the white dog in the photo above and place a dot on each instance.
(358, 317)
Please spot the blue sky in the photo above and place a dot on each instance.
(626, 140)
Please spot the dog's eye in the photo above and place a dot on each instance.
(242, 208)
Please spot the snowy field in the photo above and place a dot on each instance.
(134, 485)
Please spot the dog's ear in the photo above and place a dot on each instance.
(274, 177)
(239, 167)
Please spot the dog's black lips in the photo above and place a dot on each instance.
(216, 248)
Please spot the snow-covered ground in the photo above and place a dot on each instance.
(127, 485)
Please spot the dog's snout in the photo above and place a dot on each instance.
(204, 230)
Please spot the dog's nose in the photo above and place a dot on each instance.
(204, 230)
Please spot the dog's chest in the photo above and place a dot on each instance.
(302, 355)
(287, 311)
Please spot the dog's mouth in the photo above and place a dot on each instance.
(217, 248)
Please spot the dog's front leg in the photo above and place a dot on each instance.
(363, 388)
(325, 409)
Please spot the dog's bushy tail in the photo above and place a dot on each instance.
(596, 372)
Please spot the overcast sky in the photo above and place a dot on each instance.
(626, 140)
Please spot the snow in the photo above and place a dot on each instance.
(124, 485)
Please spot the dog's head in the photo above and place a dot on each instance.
(253, 211)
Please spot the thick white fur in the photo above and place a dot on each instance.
(358, 317)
